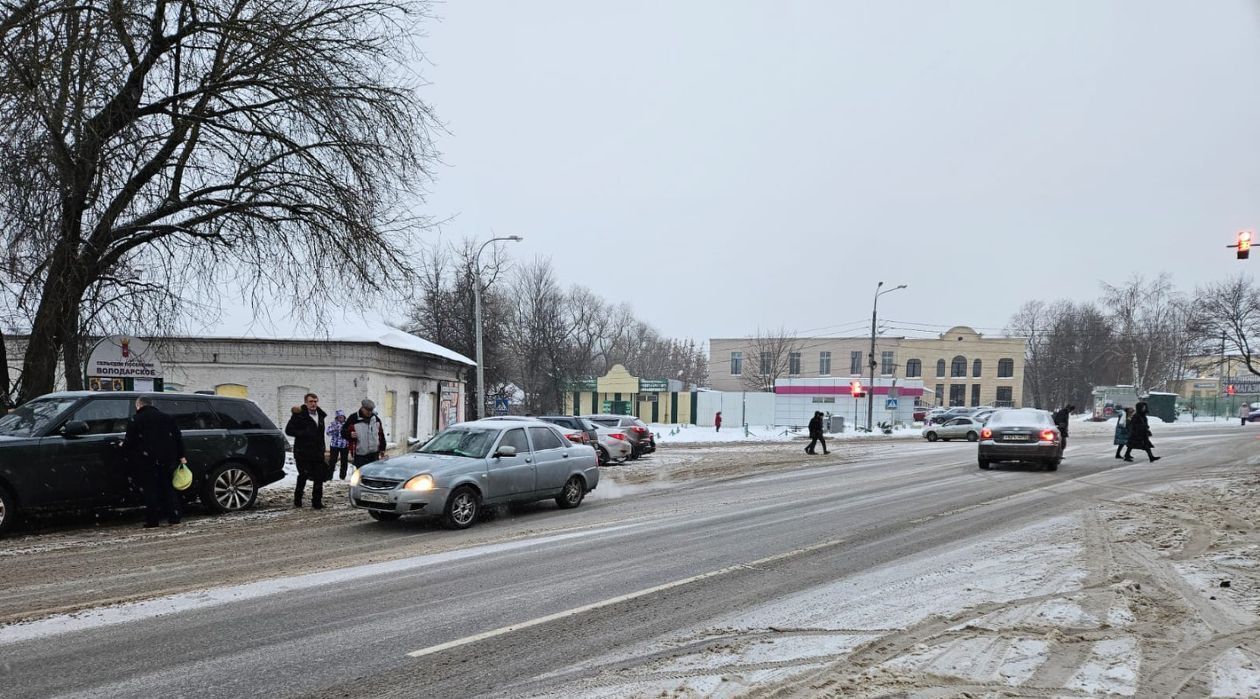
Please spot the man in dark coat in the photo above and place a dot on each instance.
(816, 434)
(1062, 418)
(306, 427)
(1140, 434)
(154, 448)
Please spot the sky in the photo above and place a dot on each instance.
(729, 166)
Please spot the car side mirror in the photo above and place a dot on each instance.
(74, 428)
(505, 451)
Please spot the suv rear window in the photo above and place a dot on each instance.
(189, 413)
(241, 415)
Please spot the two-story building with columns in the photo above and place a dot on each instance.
(960, 367)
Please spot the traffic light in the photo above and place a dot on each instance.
(1230, 390)
(1244, 244)
(855, 387)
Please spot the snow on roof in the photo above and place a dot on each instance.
(365, 331)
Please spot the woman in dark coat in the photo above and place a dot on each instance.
(306, 427)
(1140, 434)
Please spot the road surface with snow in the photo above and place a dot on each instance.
(889, 568)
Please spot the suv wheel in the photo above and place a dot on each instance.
(1053, 465)
(602, 453)
(461, 509)
(634, 454)
(571, 496)
(932, 437)
(228, 488)
(984, 464)
(8, 510)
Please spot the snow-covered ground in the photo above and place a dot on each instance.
(691, 434)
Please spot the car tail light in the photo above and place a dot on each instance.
(1049, 436)
(986, 433)
(638, 430)
(574, 438)
(617, 435)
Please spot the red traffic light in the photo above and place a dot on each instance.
(1244, 244)
(855, 387)
(1230, 390)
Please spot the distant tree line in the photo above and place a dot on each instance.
(1144, 332)
(538, 336)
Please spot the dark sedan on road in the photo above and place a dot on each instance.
(1021, 435)
(61, 451)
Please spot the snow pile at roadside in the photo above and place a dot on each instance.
(691, 434)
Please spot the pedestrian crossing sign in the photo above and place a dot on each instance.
(890, 404)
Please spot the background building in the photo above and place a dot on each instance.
(960, 367)
(418, 386)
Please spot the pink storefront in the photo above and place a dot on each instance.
(797, 399)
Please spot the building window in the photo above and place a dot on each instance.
(855, 363)
(1006, 368)
(975, 394)
(737, 363)
(958, 369)
(886, 363)
(976, 369)
(940, 368)
(940, 394)
(765, 363)
(957, 395)
(1004, 399)
(824, 363)
(914, 369)
(794, 363)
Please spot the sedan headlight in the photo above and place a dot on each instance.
(354, 477)
(419, 483)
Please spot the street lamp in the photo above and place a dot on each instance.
(870, 399)
(481, 370)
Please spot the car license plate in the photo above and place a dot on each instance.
(374, 497)
(1015, 438)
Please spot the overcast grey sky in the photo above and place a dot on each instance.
(729, 165)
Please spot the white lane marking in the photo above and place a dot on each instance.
(467, 640)
(200, 599)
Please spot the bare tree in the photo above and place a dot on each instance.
(767, 358)
(177, 141)
(1151, 321)
(1228, 313)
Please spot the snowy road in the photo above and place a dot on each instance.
(892, 568)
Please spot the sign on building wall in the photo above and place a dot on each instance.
(123, 363)
(653, 385)
(448, 413)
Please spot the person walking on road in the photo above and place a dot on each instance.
(717, 421)
(1140, 434)
(816, 434)
(1244, 412)
(366, 434)
(1062, 417)
(1122, 430)
(154, 447)
(306, 427)
(338, 445)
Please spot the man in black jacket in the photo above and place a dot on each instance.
(154, 447)
(306, 427)
(816, 434)
(1062, 418)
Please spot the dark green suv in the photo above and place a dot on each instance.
(61, 451)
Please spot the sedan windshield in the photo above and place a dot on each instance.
(472, 443)
(33, 418)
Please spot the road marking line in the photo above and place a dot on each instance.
(501, 631)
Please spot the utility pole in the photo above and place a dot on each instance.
(870, 396)
(481, 370)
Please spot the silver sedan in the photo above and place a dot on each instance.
(955, 428)
(474, 464)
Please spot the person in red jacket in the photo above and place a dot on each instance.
(717, 420)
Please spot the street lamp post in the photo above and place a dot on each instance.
(481, 370)
(870, 395)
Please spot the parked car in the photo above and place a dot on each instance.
(474, 464)
(982, 415)
(1021, 435)
(61, 451)
(642, 441)
(952, 413)
(957, 428)
(615, 442)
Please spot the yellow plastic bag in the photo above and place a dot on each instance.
(183, 477)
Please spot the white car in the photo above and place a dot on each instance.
(614, 442)
(955, 428)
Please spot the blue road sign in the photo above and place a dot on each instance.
(890, 404)
(500, 406)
